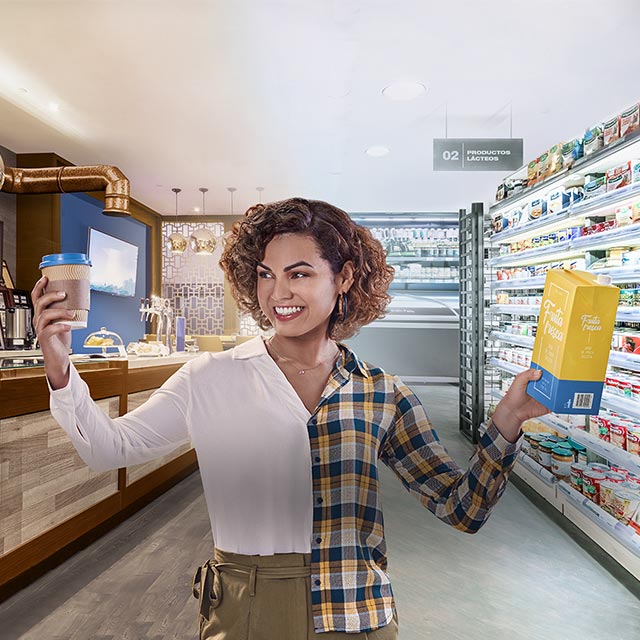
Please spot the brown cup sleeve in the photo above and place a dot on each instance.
(77, 294)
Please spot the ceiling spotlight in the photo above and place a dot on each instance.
(404, 90)
(377, 151)
(54, 107)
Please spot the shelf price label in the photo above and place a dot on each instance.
(477, 154)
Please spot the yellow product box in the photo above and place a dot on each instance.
(573, 341)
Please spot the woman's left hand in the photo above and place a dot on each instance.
(517, 406)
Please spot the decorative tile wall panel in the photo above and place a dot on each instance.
(194, 283)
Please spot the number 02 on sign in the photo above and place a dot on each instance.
(477, 154)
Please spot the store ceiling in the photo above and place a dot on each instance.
(287, 94)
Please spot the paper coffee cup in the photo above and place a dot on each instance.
(69, 272)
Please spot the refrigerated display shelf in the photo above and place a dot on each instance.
(509, 367)
(392, 259)
(590, 162)
(628, 314)
(615, 403)
(619, 359)
(606, 450)
(523, 341)
(536, 282)
(624, 236)
(546, 476)
(618, 274)
(620, 532)
(567, 217)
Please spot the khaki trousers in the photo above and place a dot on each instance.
(244, 597)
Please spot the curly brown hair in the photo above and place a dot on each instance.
(339, 239)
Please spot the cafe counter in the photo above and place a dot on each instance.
(51, 503)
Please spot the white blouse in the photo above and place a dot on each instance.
(248, 427)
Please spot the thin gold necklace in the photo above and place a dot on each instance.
(300, 370)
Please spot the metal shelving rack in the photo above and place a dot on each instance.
(618, 540)
(471, 320)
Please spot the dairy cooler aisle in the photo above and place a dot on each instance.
(418, 339)
(577, 206)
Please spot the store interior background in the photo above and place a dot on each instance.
(286, 96)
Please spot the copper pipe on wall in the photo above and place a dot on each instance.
(71, 180)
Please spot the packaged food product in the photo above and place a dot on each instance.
(577, 469)
(607, 496)
(625, 504)
(561, 461)
(571, 151)
(515, 217)
(624, 215)
(603, 468)
(501, 192)
(633, 439)
(532, 172)
(537, 208)
(636, 213)
(543, 166)
(591, 480)
(557, 200)
(546, 447)
(611, 130)
(630, 120)
(635, 171)
(593, 140)
(497, 221)
(619, 176)
(595, 187)
(555, 159)
(573, 341)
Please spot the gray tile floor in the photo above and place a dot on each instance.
(522, 577)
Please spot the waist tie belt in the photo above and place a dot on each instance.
(207, 577)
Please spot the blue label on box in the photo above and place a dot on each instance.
(566, 396)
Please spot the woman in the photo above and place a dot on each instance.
(288, 433)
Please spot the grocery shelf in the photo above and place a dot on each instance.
(618, 274)
(623, 534)
(625, 314)
(591, 162)
(514, 369)
(392, 259)
(523, 341)
(615, 403)
(537, 282)
(577, 211)
(618, 237)
(628, 361)
(606, 450)
(546, 476)
(539, 254)
(517, 309)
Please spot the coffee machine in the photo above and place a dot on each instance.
(16, 311)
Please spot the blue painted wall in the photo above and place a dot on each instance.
(78, 212)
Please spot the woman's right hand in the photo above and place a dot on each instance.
(54, 339)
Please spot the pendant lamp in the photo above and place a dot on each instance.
(177, 242)
(202, 241)
(225, 236)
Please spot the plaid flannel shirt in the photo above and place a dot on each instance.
(364, 415)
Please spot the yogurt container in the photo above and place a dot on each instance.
(626, 503)
(607, 496)
(577, 469)
(591, 480)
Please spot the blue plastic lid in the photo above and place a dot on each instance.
(57, 259)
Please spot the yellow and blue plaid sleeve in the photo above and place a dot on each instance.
(412, 450)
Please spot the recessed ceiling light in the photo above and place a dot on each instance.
(196, 209)
(404, 90)
(377, 151)
(23, 90)
(54, 107)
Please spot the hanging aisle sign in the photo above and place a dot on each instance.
(477, 154)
